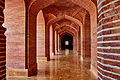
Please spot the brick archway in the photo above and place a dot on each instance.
(87, 4)
(50, 22)
(69, 29)
(32, 9)
(104, 32)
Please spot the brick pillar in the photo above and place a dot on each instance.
(47, 43)
(74, 44)
(53, 41)
(79, 41)
(108, 36)
(87, 36)
(31, 46)
(82, 42)
(57, 41)
(2, 44)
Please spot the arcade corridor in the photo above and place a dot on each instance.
(62, 67)
(60, 39)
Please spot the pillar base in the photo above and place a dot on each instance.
(81, 58)
(94, 71)
(32, 71)
(41, 59)
(85, 58)
(56, 52)
(17, 72)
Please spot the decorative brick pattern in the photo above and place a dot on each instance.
(108, 36)
(2, 43)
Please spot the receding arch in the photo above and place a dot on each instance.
(69, 26)
(34, 7)
(66, 32)
(50, 22)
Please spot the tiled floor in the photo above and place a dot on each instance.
(64, 67)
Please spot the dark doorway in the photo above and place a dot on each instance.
(67, 42)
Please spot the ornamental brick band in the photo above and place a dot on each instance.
(108, 36)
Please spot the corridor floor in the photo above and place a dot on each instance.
(62, 67)
(65, 67)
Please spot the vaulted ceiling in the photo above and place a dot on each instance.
(63, 7)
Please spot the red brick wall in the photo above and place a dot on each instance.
(15, 24)
(40, 35)
(108, 36)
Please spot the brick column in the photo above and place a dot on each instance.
(2, 44)
(47, 43)
(108, 36)
(31, 46)
(57, 41)
(82, 42)
(53, 41)
(76, 43)
(87, 36)
(79, 41)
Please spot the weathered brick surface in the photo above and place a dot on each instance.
(108, 40)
